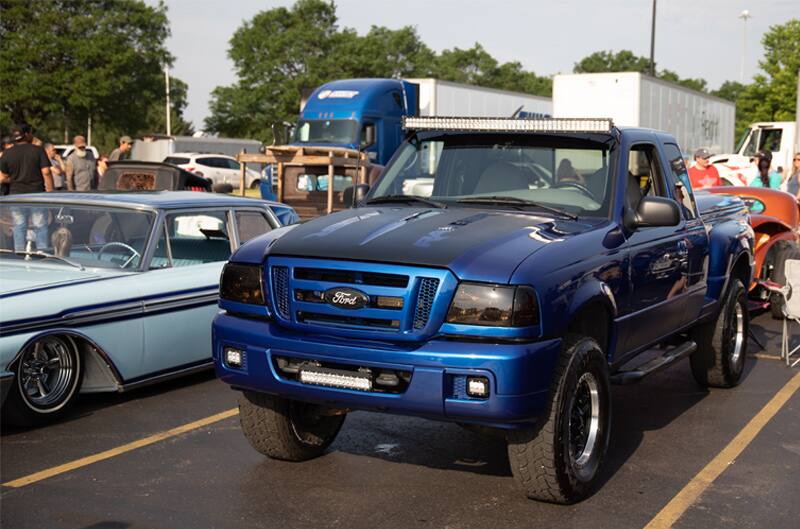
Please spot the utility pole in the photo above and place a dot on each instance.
(169, 114)
(653, 43)
(744, 15)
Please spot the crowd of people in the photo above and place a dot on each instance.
(27, 165)
(703, 174)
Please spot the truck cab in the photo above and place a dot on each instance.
(528, 265)
(779, 138)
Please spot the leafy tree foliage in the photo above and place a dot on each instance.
(282, 51)
(62, 61)
(627, 61)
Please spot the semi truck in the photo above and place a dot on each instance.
(364, 116)
(780, 138)
(636, 100)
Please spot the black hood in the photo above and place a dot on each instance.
(473, 243)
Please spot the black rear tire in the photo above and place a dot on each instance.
(778, 255)
(559, 459)
(721, 350)
(222, 188)
(285, 429)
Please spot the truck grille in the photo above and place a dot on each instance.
(427, 294)
(399, 302)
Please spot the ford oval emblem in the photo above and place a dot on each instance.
(346, 298)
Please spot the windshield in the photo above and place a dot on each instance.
(571, 174)
(339, 131)
(86, 235)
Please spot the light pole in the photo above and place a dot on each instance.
(744, 15)
(169, 114)
(653, 43)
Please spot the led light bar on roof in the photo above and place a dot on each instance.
(509, 124)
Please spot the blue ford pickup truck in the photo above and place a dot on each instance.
(501, 273)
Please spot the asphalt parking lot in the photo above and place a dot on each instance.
(721, 458)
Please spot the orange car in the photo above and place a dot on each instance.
(775, 218)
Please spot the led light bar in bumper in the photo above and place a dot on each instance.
(334, 379)
(509, 124)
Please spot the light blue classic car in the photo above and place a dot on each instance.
(107, 292)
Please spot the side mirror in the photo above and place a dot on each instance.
(360, 191)
(368, 136)
(657, 211)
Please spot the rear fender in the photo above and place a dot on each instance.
(764, 243)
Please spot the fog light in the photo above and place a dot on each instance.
(478, 387)
(233, 357)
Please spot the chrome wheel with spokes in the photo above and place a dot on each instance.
(584, 422)
(48, 375)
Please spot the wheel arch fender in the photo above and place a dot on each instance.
(730, 249)
(589, 297)
(100, 373)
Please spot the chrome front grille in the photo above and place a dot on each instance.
(403, 302)
(427, 294)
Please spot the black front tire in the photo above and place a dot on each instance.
(721, 350)
(559, 459)
(285, 429)
(47, 379)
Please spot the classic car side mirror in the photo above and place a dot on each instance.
(360, 191)
(657, 211)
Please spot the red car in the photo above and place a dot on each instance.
(775, 218)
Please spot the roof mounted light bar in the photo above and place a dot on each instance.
(453, 124)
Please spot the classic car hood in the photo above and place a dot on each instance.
(478, 244)
(21, 277)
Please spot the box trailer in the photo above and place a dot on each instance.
(637, 100)
(156, 148)
(444, 98)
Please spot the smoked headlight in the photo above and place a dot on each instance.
(494, 305)
(242, 283)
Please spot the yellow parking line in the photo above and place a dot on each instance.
(764, 356)
(88, 460)
(689, 494)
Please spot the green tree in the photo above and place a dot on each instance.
(609, 61)
(62, 61)
(282, 51)
(729, 90)
(772, 96)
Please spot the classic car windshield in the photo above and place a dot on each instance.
(87, 235)
(571, 174)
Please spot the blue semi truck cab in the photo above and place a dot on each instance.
(501, 273)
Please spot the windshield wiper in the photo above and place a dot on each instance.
(39, 253)
(516, 202)
(406, 198)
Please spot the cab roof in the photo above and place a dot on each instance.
(140, 199)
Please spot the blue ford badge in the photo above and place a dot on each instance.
(345, 298)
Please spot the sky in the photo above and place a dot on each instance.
(695, 38)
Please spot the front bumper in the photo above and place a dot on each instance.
(519, 374)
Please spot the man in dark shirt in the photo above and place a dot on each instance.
(27, 169)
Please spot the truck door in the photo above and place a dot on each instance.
(695, 238)
(658, 257)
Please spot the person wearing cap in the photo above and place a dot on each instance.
(81, 167)
(27, 169)
(123, 151)
(702, 174)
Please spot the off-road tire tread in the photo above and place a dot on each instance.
(708, 337)
(783, 251)
(265, 423)
(534, 462)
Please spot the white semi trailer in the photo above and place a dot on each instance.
(445, 98)
(637, 100)
(155, 148)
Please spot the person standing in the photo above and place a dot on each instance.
(57, 167)
(6, 144)
(27, 169)
(765, 177)
(123, 151)
(81, 167)
(702, 174)
(792, 183)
